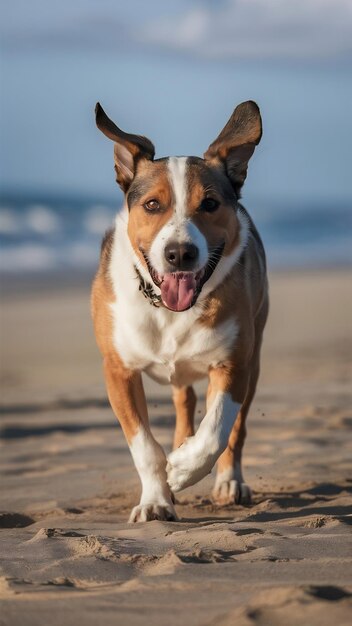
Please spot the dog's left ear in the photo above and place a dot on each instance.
(236, 142)
(128, 148)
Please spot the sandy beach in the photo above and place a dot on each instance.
(68, 483)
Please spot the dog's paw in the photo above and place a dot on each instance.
(153, 511)
(188, 464)
(231, 492)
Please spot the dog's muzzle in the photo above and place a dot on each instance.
(180, 289)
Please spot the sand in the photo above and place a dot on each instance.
(68, 555)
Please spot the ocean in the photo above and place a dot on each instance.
(41, 234)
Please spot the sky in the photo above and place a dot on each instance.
(174, 71)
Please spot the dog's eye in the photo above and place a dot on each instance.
(152, 205)
(209, 205)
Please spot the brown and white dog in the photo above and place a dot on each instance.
(181, 294)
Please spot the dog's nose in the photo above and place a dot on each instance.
(181, 256)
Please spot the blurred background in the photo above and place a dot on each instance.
(174, 72)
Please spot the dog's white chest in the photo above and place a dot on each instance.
(169, 347)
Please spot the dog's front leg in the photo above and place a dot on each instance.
(196, 457)
(126, 395)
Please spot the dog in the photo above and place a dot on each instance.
(181, 293)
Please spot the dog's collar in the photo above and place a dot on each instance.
(147, 290)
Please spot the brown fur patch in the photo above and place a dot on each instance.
(206, 181)
(151, 182)
(124, 386)
(185, 403)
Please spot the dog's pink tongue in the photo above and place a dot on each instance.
(178, 290)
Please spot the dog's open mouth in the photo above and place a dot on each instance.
(180, 290)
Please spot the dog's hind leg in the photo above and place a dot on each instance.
(185, 403)
(230, 487)
(198, 454)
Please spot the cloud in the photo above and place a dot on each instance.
(81, 24)
(207, 29)
(257, 29)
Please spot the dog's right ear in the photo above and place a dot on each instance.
(236, 143)
(128, 148)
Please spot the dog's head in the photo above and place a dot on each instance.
(182, 210)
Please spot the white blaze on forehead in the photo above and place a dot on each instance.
(177, 167)
(179, 228)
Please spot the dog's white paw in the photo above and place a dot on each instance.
(198, 454)
(153, 511)
(231, 492)
(189, 464)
